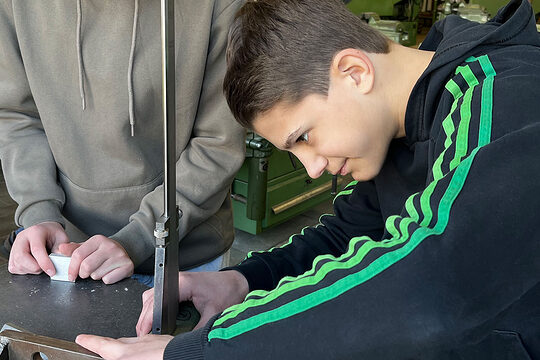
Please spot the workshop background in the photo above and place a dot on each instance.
(272, 195)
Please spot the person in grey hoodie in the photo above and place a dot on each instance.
(81, 136)
(433, 251)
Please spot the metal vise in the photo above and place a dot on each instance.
(16, 345)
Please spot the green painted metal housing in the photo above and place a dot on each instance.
(269, 190)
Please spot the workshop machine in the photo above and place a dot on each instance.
(272, 186)
(401, 32)
(62, 309)
(397, 20)
(472, 12)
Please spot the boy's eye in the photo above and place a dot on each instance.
(303, 137)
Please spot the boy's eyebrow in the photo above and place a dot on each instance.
(291, 139)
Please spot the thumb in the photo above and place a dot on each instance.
(206, 315)
(202, 322)
(68, 249)
(96, 344)
(56, 236)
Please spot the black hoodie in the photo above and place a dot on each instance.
(438, 257)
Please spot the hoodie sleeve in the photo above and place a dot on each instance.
(460, 253)
(356, 212)
(206, 167)
(24, 150)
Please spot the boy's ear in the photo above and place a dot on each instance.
(355, 67)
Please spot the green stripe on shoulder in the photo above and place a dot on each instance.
(462, 140)
(486, 114)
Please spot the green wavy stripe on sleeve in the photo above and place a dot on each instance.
(462, 139)
(448, 127)
(339, 287)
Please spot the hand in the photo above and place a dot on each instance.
(98, 257)
(210, 292)
(29, 251)
(144, 348)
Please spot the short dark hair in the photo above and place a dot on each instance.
(281, 50)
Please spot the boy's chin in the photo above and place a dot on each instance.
(364, 174)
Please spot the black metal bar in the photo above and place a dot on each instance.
(334, 185)
(166, 232)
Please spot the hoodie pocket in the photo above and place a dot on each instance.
(103, 211)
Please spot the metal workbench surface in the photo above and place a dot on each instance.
(63, 310)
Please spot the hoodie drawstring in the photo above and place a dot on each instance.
(79, 55)
(130, 66)
(130, 69)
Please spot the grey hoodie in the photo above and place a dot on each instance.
(73, 76)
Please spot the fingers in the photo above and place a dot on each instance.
(110, 265)
(67, 249)
(29, 253)
(143, 348)
(93, 263)
(21, 260)
(100, 258)
(148, 295)
(118, 274)
(39, 252)
(59, 237)
(23, 264)
(92, 342)
(78, 256)
(144, 325)
(107, 348)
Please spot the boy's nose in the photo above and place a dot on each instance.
(314, 164)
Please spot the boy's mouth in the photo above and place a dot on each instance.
(343, 170)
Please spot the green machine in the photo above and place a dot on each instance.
(401, 32)
(272, 186)
(397, 20)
